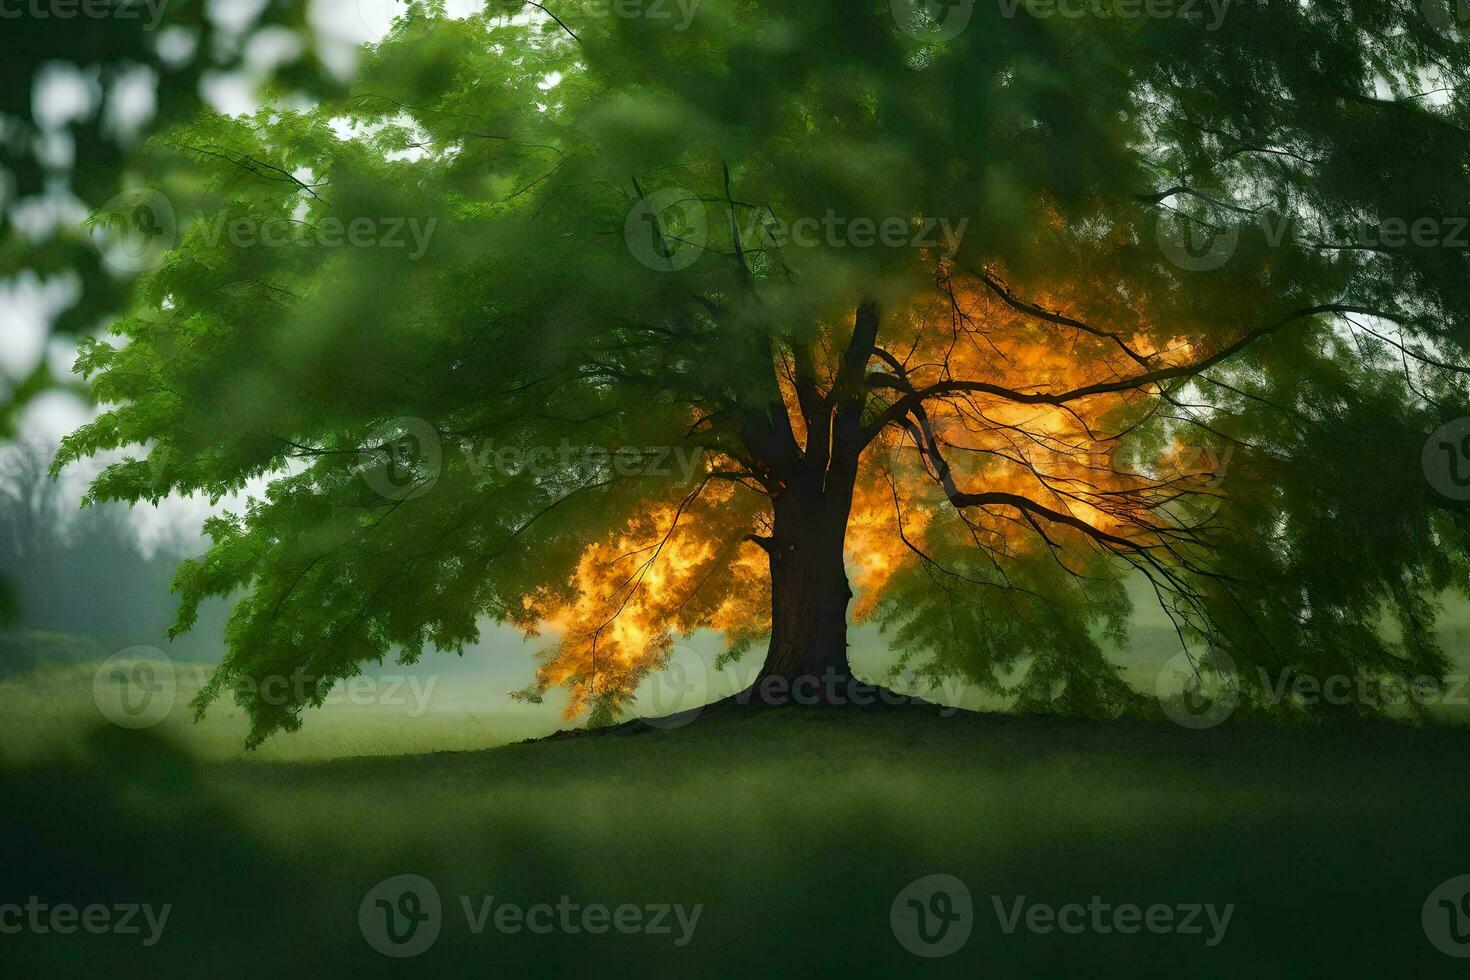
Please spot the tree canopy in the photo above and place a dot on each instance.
(128, 66)
(1006, 314)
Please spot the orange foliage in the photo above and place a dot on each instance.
(680, 566)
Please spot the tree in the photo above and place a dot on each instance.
(974, 317)
(110, 47)
(158, 53)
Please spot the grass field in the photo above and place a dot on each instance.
(794, 829)
(48, 710)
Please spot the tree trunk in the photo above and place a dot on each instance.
(807, 659)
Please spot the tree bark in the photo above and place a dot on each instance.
(809, 590)
(806, 662)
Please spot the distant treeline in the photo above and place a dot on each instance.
(83, 572)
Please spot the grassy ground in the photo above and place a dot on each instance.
(49, 708)
(795, 829)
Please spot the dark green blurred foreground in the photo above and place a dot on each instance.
(795, 828)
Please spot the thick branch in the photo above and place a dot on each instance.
(905, 405)
(1031, 309)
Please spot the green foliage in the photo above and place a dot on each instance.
(175, 43)
(1063, 148)
(107, 44)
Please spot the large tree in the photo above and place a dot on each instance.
(988, 310)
